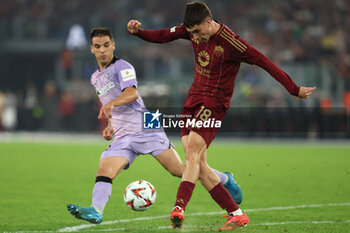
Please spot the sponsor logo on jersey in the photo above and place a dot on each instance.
(127, 74)
(203, 58)
(202, 71)
(105, 89)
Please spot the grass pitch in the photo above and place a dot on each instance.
(286, 187)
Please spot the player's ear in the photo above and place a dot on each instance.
(208, 20)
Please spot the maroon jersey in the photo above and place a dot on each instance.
(217, 61)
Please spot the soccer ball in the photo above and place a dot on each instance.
(140, 195)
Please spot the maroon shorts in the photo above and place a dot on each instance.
(203, 115)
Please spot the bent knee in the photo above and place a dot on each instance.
(193, 156)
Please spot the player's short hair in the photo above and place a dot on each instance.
(195, 14)
(100, 31)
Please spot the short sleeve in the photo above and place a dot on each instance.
(126, 75)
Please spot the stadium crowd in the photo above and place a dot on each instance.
(289, 32)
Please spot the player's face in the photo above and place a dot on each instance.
(102, 47)
(202, 32)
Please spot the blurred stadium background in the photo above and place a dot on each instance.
(46, 64)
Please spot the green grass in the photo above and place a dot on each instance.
(38, 180)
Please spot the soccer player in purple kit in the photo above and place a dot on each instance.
(218, 54)
(116, 86)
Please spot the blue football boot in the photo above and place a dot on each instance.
(233, 188)
(90, 214)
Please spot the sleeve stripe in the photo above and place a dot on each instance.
(227, 33)
(236, 43)
(222, 27)
(232, 43)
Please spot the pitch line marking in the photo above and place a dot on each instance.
(207, 228)
(84, 226)
(210, 228)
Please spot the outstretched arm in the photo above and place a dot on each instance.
(246, 53)
(127, 96)
(278, 74)
(157, 36)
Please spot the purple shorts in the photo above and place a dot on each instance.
(131, 146)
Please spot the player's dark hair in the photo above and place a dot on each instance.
(100, 31)
(195, 14)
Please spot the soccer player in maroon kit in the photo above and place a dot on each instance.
(218, 55)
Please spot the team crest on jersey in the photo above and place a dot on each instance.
(109, 74)
(218, 51)
(203, 58)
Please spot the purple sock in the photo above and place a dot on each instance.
(221, 175)
(100, 195)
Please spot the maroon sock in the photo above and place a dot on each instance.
(184, 194)
(223, 198)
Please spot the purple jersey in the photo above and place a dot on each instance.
(109, 84)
